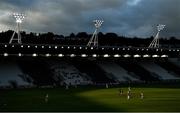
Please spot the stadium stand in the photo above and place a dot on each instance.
(39, 71)
(12, 76)
(93, 70)
(78, 71)
(138, 71)
(175, 61)
(154, 68)
(170, 67)
(68, 74)
(119, 73)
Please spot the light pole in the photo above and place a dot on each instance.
(94, 39)
(155, 42)
(19, 18)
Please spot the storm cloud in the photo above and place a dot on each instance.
(124, 17)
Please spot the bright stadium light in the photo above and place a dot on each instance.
(117, 56)
(164, 56)
(106, 56)
(72, 55)
(19, 54)
(48, 55)
(60, 55)
(146, 56)
(94, 39)
(19, 19)
(5, 54)
(137, 56)
(155, 56)
(83, 55)
(127, 55)
(55, 47)
(94, 55)
(34, 55)
(155, 42)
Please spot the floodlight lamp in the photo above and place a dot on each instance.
(164, 56)
(145, 56)
(116, 55)
(160, 27)
(127, 55)
(19, 54)
(83, 55)
(98, 23)
(155, 56)
(72, 55)
(60, 55)
(34, 55)
(19, 17)
(5, 54)
(137, 56)
(106, 55)
(94, 55)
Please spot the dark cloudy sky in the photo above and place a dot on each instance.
(124, 17)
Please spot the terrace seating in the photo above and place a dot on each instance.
(139, 71)
(38, 70)
(118, 72)
(10, 74)
(154, 68)
(68, 74)
(175, 61)
(171, 67)
(93, 70)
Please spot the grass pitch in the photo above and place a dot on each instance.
(90, 99)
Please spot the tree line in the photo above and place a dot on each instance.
(82, 38)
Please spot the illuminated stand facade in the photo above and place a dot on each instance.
(19, 18)
(94, 39)
(155, 42)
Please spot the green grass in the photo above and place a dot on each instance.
(90, 99)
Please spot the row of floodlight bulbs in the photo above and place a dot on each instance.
(95, 55)
(19, 17)
(98, 23)
(68, 47)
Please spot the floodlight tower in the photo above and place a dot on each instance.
(94, 39)
(19, 18)
(155, 42)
